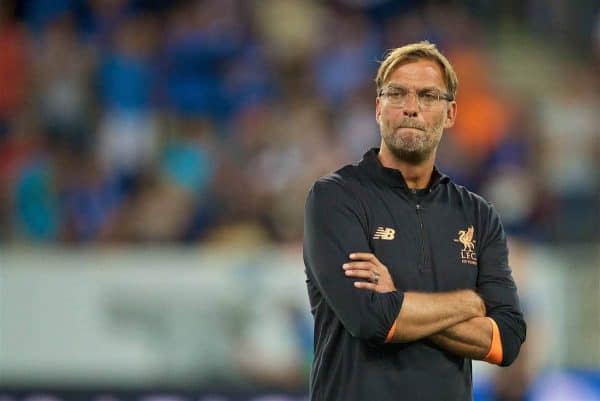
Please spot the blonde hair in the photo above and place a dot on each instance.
(411, 53)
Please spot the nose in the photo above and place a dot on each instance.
(411, 106)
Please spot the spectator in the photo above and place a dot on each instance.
(218, 113)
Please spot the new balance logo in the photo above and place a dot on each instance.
(384, 233)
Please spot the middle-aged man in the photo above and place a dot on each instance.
(407, 272)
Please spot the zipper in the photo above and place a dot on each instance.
(419, 209)
(423, 258)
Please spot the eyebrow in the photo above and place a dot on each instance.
(425, 89)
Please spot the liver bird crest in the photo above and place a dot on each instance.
(466, 238)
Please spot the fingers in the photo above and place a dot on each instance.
(365, 266)
(366, 257)
(365, 285)
(367, 274)
(358, 266)
(363, 256)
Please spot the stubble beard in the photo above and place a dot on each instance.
(414, 148)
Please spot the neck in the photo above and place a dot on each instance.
(417, 176)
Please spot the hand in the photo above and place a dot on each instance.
(479, 304)
(367, 266)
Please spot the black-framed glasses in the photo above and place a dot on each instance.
(426, 98)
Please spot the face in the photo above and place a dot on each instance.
(411, 132)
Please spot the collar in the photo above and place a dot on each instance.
(393, 177)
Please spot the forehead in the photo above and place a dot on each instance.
(418, 74)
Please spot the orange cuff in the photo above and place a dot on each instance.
(494, 355)
(390, 333)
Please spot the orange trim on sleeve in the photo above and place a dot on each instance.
(390, 333)
(494, 355)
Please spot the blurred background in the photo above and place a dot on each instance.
(155, 156)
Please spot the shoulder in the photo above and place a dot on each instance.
(340, 190)
(471, 199)
(342, 182)
(483, 211)
(332, 201)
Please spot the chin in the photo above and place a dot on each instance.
(415, 157)
(411, 156)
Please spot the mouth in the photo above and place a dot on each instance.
(415, 128)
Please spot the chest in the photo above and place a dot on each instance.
(427, 244)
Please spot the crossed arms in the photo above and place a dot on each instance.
(458, 321)
(454, 321)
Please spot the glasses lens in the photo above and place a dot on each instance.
(428, 99)
(396, 97)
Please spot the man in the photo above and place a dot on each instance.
(407, 272)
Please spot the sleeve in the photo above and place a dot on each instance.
(335, 226)
(498, 290)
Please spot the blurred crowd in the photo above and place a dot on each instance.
(138, 121)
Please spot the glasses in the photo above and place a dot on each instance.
(426, 98)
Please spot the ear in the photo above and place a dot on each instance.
(451, 114)
(377, 109)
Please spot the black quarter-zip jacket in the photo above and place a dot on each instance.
(442, 238)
